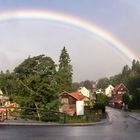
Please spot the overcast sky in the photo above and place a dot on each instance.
(91, 57)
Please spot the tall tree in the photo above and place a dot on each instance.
(36, 79)
(125, 74)
(103, 83)
(116, 79)
(136, 66)
(65, 72)
(87, 84)
(134, 88)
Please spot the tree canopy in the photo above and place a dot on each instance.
(36, 77)
(87, 84)
(103, 83)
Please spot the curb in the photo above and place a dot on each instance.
(46, 124)
(134, 117)
(51, 124)
(105, 121)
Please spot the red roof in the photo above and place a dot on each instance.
(2, 110)
(77, 95)
(120, 87)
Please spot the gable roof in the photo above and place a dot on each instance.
(84, 91)
(120, 87)
(64, 92)
(77, 95)
(110, 87)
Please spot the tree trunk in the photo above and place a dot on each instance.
(126, 107)
(6, 92)
(38, 114)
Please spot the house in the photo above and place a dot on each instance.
(3, 98)
(120, 89)
(68, 102)
(84, 91)
(77, 95)
(99, 91)
(108, 91)
(117, 94)
(80, 97)
(1, 93)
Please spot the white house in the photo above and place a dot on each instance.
(108, 91)
(99, 91)
(84, 92)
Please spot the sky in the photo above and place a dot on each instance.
(91, 56)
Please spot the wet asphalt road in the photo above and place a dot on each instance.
(122, 127)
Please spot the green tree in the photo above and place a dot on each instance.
(65, 72)
(87, 84)
(125, 70)
(116, 79)
(135, 103)
(126, 100)
(103, 83)
(133, 84)
(136, 66)
(101, 102)
(8, 83)
(75, 86)
(36, 78)
(125, 74)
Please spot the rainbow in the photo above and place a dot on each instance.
(79, 23)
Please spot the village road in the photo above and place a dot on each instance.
(122, 127)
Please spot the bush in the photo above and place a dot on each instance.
(29, 114)
(50, 117)
(100, 106)
(76, 119)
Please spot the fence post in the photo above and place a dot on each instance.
(1, 116)
(7, 115)
(64, 118)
